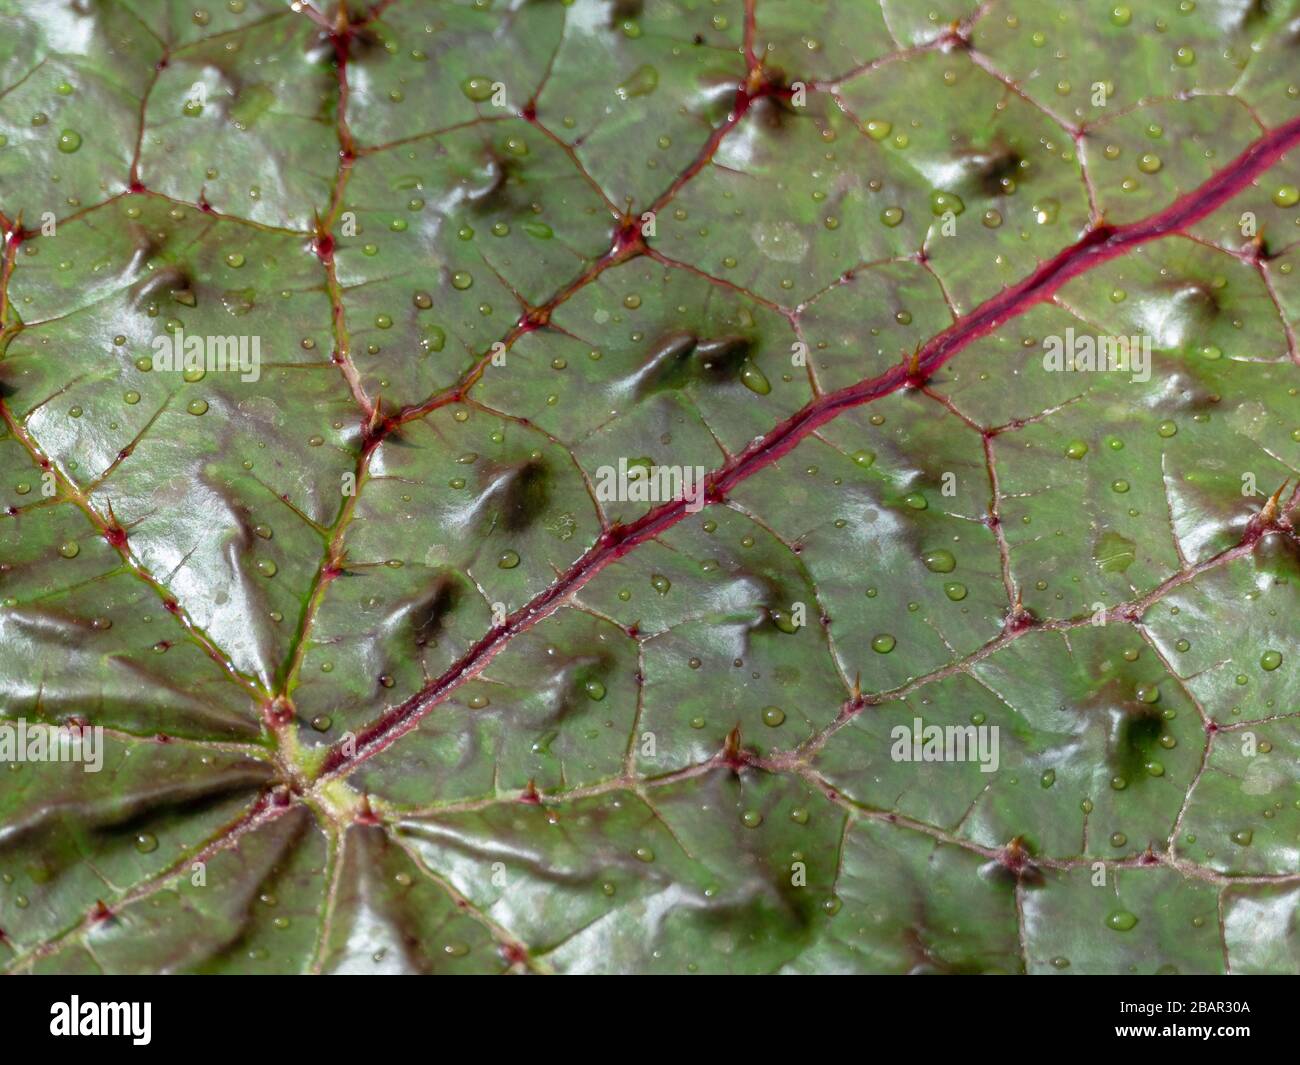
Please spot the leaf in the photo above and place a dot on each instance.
(936, 656)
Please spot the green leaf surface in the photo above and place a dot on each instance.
(363, 671)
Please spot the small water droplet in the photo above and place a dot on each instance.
(753, 378)
(939, 561)
(477, 89)
(641, 82)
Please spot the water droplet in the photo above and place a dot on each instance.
(508, 559)
(1149, 693)
(864, 458)
(146, 842)
(943, 202)
(197, 406)
(477, 89)
(1149, 163)
(939, 561)
(321, 722)
(266, 567)
(461, 280)
(1121, 920)
(434, 339)
(1046, 211)
(753, 379)
(773, 716)
(955, 590)
(1287, 196)
(883, 643)
(70, 549)
(642, 81)
(878, 129)
(916, 501)
(69, 141)
(660, 583)
(645, 854)
(891, 216)
(751, 818)
(1048, 778)
(1270, 660)
(595, 689)
(1242, 837)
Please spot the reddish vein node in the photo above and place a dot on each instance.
(629, 241)
(514, 954)
(366, 814)
(1019, 620)
(1015, 858)
(732, 755)
(534, 318)
(323, 246)
(278, 712)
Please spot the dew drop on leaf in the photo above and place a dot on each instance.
(939, 560)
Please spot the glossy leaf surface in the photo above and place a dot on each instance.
(387, 683)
